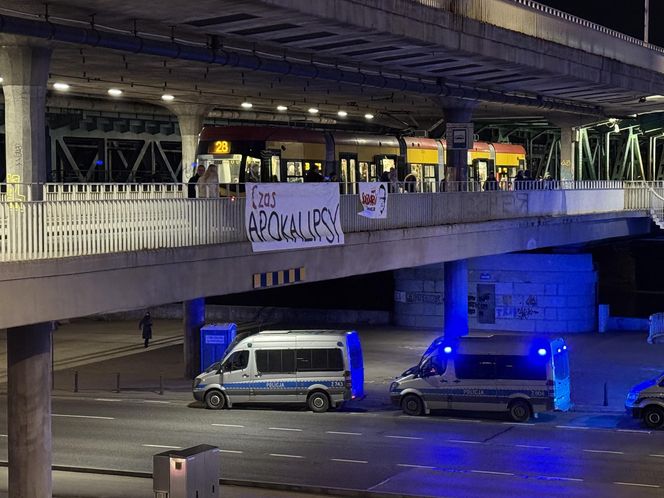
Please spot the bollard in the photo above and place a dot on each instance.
(117, 382)
(606, 395)
(75, 381)
(161, 384)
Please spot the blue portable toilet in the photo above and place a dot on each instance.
(215, 339)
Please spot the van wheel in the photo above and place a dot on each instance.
(318, 402)
(519, 410)
(653, 417)
(215, 400)
(411, 404)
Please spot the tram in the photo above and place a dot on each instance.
(279, 154)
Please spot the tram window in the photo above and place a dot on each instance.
(364, 172)
(372, 169)
(228, 167)
(275, 169)
(252, 170)
(294, 171)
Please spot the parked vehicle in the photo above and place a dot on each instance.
(321, 368)
(646, 401)
(518, 374)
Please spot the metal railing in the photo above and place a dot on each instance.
(65, 228)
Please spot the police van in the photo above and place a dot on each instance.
(517, 374)
(322, 368)
(646, 401)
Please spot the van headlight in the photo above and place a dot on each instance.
(632, 396)
(197, 381)
(394, 386)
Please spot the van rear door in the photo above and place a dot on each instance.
(356, 364)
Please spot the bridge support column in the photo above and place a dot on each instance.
(193, 316)
(567, 169)
(24, 69)
(455, 298)
(29, 410)
(190, 120)
(458, 124)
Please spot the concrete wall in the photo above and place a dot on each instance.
(514, 292)
(262, 315)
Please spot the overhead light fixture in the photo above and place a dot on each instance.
(651, 97)
(313, 110)
(282, 108)
(247, 105)
(61, 87)
(1, 79)
(168, 97)
(368, 116)
(342, 114)
(114, 92)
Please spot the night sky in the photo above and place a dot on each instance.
(622, 15)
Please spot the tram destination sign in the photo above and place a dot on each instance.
(292, 216)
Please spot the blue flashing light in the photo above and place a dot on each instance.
(541, 351)
(99, 162)
(565, 348)
(559, 350)
(447, 349)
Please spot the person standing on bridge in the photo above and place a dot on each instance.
(146, 326)
(191, 186)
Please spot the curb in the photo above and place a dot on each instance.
(301, 488)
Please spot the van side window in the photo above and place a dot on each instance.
(512, 367)
(474, 366)
(320, 360)
(275, 360)
(237, 361)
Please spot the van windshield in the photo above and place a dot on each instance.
(213, 368)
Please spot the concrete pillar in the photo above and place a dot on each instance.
(29, 410)
(193, 318)
(456, 298)
(567, 169)
(457, 114)
(190, 120)
(24, 69)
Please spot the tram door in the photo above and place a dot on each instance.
(348, 173)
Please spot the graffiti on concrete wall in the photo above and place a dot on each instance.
(526, 310)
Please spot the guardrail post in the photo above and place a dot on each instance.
(117, 382)
(75, 381)
(606, 395)
(161, 385)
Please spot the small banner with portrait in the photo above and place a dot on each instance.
(292, 215)
(373, 196)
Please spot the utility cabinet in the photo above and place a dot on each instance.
(189, 473)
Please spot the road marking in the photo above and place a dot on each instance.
(492, 472)
(343, 460)
(281, 455)
(636, 484)
(572, 427)
(162, 446)
(656, 456)
(554, 478)
(406, 437)
(81, 416)
(533, 446)
(110, 400)
(231, 451)
(415, 466)
(464, 441)
(284, 429)
(156, 401)
(635, 431)
(227, 425)
(344, 433)
(518, 424)
(605, 451)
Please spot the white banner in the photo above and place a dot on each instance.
(292, 215)
(373, 196)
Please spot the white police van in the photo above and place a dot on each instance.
(646, 401)
(321, 368)
(518, 374)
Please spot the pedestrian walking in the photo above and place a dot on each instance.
(491, 183)
(208, 184)
(146, 326)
